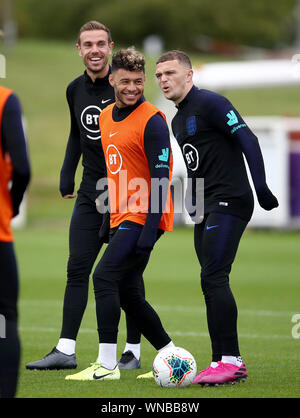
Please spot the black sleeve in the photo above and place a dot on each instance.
(223, 116)
(14, 143)
(158, 151)
(72, 155)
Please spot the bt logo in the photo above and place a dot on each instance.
(113, 159)
(191, 156)
(90, 121)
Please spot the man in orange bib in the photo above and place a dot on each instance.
(136, 145)
(14, 178)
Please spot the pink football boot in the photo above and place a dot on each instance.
(201, 375)
(223, 373)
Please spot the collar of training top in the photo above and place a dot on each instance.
(187, 97)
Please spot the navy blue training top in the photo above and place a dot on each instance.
(86, 100)
(213, 138)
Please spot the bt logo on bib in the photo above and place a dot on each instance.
(90, 121)
(113, 159)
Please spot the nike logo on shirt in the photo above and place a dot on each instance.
(105, 101)
(211, 227)
(114, 133)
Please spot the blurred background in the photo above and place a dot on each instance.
(248, 51)
(244, 50)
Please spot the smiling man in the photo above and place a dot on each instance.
(134, 134)
(87, 96)
(213, 138)
(95, 46)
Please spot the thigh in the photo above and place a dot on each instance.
(198, 239)
(85, 214)
(220, 235)
(84, 227)
(120, 256)
(8, 281)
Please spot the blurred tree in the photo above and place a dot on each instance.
(52, 19)
(260, 23)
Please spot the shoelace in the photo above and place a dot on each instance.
(95, 365)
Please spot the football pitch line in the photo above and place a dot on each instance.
(163, 308)
(31, 303)
(171, 333)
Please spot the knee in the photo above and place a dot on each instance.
(104, 285)
(212, 281)
(79, 267)
(131, 300)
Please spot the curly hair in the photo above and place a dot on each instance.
(128, 59)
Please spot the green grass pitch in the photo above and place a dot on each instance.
(264, 280)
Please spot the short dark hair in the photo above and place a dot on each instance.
(128, 59)
(94, 25)
(175, 54)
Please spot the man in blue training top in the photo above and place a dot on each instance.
(213, 138)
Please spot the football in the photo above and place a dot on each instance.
(174, 367)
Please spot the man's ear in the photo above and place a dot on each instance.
(111, 47)
(190, 75)
(111, 80)
(79, 49)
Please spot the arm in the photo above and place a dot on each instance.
(14, 143)
(156, 139)
(226, 119)
(72, 156)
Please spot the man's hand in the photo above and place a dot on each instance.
(69, 196)
(266, 199)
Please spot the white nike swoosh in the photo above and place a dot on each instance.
(110, 135)
(105, 101)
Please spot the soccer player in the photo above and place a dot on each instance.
(136, 145)
(87, 96)
(213, 138)
(14, 179)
